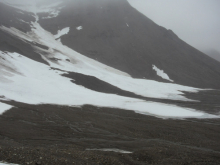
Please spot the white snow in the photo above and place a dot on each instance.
(161, 73)
(87, 66)
(4, 107)
(127, 25)
(53, 13)
(79, 28)
(110, 150)
(23, 21)
(62, 32)
(3, 163)
(45, 86)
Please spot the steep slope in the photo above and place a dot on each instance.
(58, 106)
(18, 19)
(48, 49)
(31, 80)
(118, 35)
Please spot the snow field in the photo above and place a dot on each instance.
(87, 66)
(45, 86)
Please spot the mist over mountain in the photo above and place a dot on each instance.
(98, 82)
(213, 53)
(195, 22)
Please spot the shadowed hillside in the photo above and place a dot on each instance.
(118, 35)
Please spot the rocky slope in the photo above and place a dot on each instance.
(97, 82)
(118, 35)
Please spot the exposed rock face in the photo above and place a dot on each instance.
(114, 33)
(12, 17)
(60, 107)
(118, 35)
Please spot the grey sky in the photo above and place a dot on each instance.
(195, 21)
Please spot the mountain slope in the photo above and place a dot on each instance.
(96, 82)
(118, 35)
(40, 45)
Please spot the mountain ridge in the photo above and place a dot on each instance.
(135, 49)
(97, 82)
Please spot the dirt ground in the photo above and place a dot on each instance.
(51, 134)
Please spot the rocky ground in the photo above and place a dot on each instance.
(51, 134)
(119, 36)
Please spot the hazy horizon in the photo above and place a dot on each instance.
(196, 22)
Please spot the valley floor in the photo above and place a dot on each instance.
(51, 134)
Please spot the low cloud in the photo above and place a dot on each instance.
(194, 21)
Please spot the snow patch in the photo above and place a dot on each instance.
(62, 32)
(52, 14)
(79, 28)
(46, 86)
(3, 163)
(24, 21)
(161, 73)
(84, 65)
(110, 150)
(4, 107)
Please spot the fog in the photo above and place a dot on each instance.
(27, 2)
(195, 21)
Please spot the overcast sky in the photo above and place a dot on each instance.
(195, 21)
